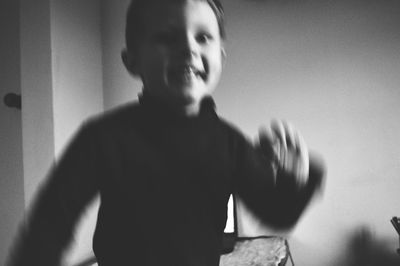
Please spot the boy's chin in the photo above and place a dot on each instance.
(191, 94)
(187, 100)
(191, 100)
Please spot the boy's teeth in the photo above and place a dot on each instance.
(187, 73)
(189, 70)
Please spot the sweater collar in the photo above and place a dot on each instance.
(160, 109)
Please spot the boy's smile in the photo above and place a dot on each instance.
(180, 56)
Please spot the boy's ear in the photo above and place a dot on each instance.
(130, 62)
(223, 56)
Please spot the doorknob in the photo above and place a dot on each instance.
(12, 100)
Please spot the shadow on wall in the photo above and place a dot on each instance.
(365, 250)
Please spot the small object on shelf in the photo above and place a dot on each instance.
(396, 224)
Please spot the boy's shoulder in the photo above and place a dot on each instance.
(232, 130)
(228, 125)
(131, 115)
(115, 118)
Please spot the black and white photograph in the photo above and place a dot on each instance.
(199, 132)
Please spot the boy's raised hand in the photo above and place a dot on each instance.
(286, 148)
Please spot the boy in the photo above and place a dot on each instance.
(165, 167)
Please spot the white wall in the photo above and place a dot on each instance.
(76, 65)
(61, 80)
(332, 68)
(77, 89)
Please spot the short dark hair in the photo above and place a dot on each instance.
(135, 24)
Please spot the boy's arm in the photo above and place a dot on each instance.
(49, 226)
(277, 178)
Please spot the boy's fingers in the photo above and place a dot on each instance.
(266, 136)
(284, 144)
(290, 135)
(301, 146)
(279, 131)
(266, 142)
(294, 139)
(301, 167)
(291, 149)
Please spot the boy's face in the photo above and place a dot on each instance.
(181, 55)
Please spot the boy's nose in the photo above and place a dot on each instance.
(189, 47)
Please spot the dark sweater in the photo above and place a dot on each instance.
(164, 182)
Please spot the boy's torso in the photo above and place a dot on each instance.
(164, 186)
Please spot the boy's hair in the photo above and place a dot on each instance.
(135, 19)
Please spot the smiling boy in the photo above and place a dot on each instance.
(179, 55)
(165, 166)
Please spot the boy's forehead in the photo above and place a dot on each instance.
(174, 13)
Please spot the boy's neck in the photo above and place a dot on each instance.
(191, 110)
(184, 110)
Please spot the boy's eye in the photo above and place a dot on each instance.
(204, 38)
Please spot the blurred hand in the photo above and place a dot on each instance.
(286, 148)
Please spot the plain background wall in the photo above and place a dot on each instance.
(61, 84)
(76, 65)
(37, 94)
(332, 68)
(11, 175)
(77, 89)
